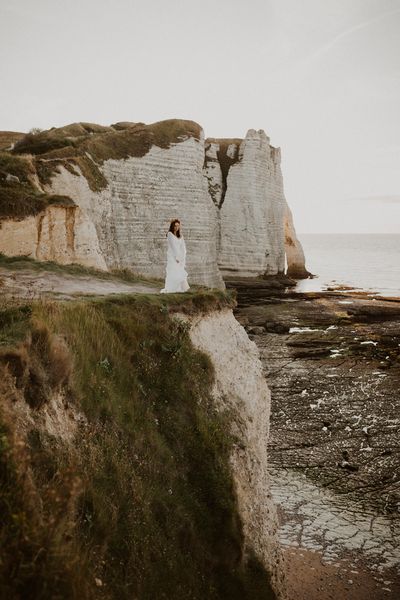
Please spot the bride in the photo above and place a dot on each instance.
(176, 274)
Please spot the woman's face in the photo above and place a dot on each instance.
(176, 226)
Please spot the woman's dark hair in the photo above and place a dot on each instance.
(171, 227)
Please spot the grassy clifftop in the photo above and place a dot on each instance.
(117, 141)
(133, 499)
(34, 158)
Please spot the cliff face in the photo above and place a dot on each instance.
(131, 215)
(240, 387)
(246, 181)
(294, 251)
(129, 180)
(61, 234)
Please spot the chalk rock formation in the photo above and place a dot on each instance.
(241, 388)
(46, 406)
(294, 251)
(127, 182)
(61, 234)
(245, 182)
(132, 214)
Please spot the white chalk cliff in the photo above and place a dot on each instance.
(240, 387)
(228, 195)
(132, 214)
(246, 183)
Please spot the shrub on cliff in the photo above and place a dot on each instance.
(18, 202)
(9, 138)
(19, 199)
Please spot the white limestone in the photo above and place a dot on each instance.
(132, 214)
(240, 388)
(294, 251)
(232, 208)
(253, 208)
(61, 234)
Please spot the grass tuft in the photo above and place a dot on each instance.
(17, 263)
(8, 138)
(19, 200)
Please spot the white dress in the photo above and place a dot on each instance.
(176, 274)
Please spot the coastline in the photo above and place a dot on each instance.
(332, 362)
(366, 263)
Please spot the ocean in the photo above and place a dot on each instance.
(368, 262)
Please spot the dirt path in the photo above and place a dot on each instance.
(32, 284)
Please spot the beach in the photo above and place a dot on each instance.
(332, 362)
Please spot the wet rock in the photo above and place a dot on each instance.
(310, 352)
(333, 526)
(334, 449)
(334, 384)
(371, 313)
(255, 330)
(344, 464)
(276, 327)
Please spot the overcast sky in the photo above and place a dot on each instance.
(321, 77)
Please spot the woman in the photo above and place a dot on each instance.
(176, 274)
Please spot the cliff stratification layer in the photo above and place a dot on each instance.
(127, 181)
(241, 389)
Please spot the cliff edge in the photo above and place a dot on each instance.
(133, 436)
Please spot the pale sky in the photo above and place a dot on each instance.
(321, 77)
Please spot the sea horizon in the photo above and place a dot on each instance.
(367, 262)
(346, 233)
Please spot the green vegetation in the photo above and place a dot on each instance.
(87, 145)
(14, 322)
(7, 138)
(83, 145)
(141, 504)
(19, 166)
(57, 137)
(19, 200)
(138, 139)
(106, 142)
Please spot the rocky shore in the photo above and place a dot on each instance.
(332, 362)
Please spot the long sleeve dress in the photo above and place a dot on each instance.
(176, 274)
